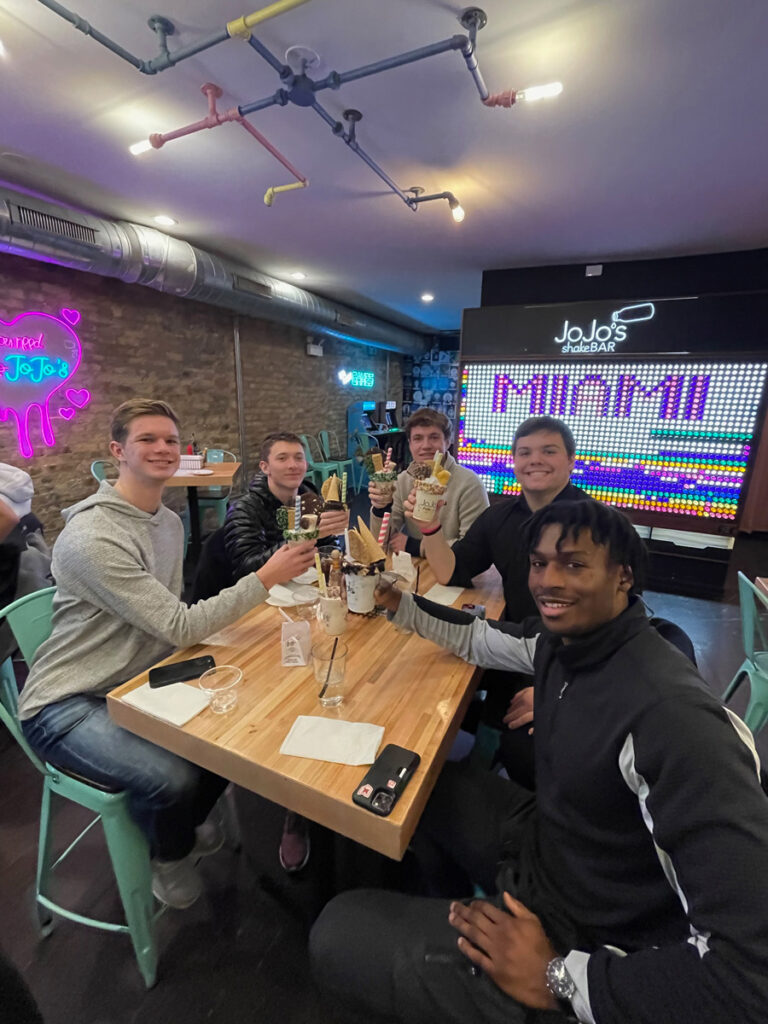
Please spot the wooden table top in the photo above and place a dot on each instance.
(416, 690)
(223, 474)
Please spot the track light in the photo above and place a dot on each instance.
(540, 92)
(413, 200)
(140, 147)
(457, 210)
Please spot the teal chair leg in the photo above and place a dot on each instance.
(737, 680)
(487, 740)
(129, 852)
(44, 860)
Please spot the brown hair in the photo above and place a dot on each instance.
(272, 439)
(429, 418)
(124, 414)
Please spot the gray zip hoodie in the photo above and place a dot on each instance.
(117, 609)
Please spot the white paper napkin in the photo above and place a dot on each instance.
(443, 595)
(176, 703)
(325, 739)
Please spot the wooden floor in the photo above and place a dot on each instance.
(238, 955)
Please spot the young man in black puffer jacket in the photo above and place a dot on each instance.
(247, 540)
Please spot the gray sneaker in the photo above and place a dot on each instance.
(176, 882)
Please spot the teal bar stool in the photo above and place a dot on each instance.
(318, 469)
(216, 498)
(30, 621)
(752, 603)
(329, 446)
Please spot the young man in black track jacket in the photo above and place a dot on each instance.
(632, 889)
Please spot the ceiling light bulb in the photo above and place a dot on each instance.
(299, 275)
(457, 212)
(164, 220)
(541, 92)
(427, 297)
(140, 147)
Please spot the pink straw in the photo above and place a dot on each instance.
(384, 527)
(389, 455)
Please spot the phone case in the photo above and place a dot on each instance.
(385, 780)
(181, 671)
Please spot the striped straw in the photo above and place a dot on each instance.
(384, 527)
(320, 574)
(389, 455)
(343, 488)
(297, 513)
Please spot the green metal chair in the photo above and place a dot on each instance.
(216, 497)
(329, 446)
(317, 469)
(99, 469)
(30, 620)
(755, 666)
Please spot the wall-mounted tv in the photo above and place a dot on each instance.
(668, 439)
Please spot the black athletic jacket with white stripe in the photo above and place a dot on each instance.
(647, 857)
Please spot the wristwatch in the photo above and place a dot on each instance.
(559, 981)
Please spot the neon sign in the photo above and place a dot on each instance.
(39, 355)
(669, 437)
(604, 338)
(357, 378)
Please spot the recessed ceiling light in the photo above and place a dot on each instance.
(299, 275)
(140, 147)
(427, 297)
(165, 221)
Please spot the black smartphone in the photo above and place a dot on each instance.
(386, 779)
(180, 671)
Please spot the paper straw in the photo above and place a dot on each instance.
(346, 542)
(384, 527)
(320, 574)
(330, 666)
(343, 488)
(389, 455)
(297, 520)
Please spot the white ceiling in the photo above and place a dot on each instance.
(657, 146)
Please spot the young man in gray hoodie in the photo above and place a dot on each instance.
(117, 611)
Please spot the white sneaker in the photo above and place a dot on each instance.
(176, 882)
(209, 838)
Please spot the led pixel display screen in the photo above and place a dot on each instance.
(668, 437)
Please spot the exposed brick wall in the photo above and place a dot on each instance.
(139, 342)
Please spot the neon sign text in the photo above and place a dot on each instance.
(36, 369)
(357, 378)
(39, 356)
(604, 338)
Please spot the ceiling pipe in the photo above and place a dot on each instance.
(54, 233)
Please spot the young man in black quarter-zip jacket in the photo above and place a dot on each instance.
(632, 887)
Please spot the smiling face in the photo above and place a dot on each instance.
(577, 588)
(285, 467)
(150, 452)
(425, 442)
(542, 466)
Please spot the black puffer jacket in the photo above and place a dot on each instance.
(251, 533)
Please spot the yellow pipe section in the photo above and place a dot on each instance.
(269, 195)
(242, 26)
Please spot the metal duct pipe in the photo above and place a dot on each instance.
(54, 233)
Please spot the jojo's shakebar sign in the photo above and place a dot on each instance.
(39, 356)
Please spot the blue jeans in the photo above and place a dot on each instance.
(167, 795)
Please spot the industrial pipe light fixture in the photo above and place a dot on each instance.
(298, 88)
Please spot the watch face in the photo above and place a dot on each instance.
(559, 981)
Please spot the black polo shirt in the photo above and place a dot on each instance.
(496, 538)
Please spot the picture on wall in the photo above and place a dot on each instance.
(431, 381)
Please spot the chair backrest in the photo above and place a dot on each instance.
(324, 439)
(30, 620)
(752, 603)
(99, 469)
(9, 712)
(312, 450)
(220, 455)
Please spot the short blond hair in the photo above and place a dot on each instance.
(124, 415)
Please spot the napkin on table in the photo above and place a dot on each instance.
(176, 703)
(443, 595)
(326, 739)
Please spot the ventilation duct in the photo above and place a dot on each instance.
(136, 254)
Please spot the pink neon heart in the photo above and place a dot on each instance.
(79, 397)
(67, 413)
(71, 316)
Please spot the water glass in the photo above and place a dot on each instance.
(329, 659)
(220, 684)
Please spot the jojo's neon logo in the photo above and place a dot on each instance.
(604, 337)
(39, 356)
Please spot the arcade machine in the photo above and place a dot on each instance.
(361, 419)
(390, 434)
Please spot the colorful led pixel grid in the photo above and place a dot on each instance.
(667, 437)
